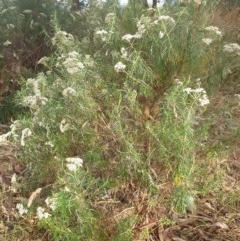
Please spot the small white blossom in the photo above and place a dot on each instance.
(141, 26)
(64, 126)
(232, 48)
(138, 35)
(27, 11)
(167, 19)
(71, 167)
(228, 48)
(72, 70)
(21, 209)
(188, 90)
(67, 189)
(129, 37)
(207, 41)
(35, 85)
(25, 133)
(75, 160)
(124, 53)
(109, 17)
(199, 90)
(69, 92)
(73, 65)
(178, 82)
(102, 33)
(161, 34)
(203, 100)
(74, 163)
(214, 30)
(49, 143)
(119, 67)
(33, 101)
(42, 214)
(62, 37)
(51, 203)
(201, 95)
(74, 54)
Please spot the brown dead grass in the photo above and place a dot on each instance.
(228, 20)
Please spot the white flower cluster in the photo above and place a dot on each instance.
(201, 95)
(64, 126)
(49, 143)
(62, 37)
(166, 19)
(21, 209)
(207, 41)
(128, 37)
(74, 163)
(232, 48)
(69, 91)
(72, 63)
(161, 34)
(27, 11)
(214, 30)
(119, 67)
(51, 203)
(35, 84)
(147, 22)
(102, 33)
(41, 213)
(12, 133)
(34, 100)
(142, 24)
(109, 17)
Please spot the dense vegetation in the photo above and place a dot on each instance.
(110, 116)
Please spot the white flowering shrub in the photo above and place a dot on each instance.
(126, 99)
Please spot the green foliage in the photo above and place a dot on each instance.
(73, 219)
